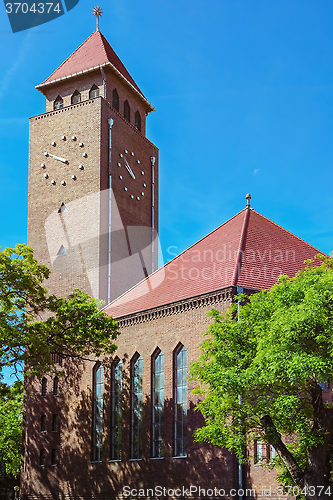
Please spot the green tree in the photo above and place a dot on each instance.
(11, 405)
(261, 369)
(33, 324)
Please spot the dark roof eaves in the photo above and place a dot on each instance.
(173, 304)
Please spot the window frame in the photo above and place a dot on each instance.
(94, 92)
(43, 424)
(180, 439)
(55, 422)
(42, 457)
(98, 410)
(58, 103)
(127, 111)
(157, 404)
(54, 457)
(55, 390)
(136, 407)
(115, 99)
(76, 97)
(116, 409)
(44, 387)
(137, 121)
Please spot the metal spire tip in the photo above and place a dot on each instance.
(97, 12)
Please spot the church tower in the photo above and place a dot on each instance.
(93, 176)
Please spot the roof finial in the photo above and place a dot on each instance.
(248, 197)
(97, 11)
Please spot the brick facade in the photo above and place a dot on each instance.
(76, 476)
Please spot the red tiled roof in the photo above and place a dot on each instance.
(94, 52)
(248, 250)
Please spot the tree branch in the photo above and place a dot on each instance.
(273, 437)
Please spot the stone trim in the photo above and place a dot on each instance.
(208, 299)
(61, 110)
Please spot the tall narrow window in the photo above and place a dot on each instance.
(115, 99)
(180, 397)
(270, 453)
(94, 92)
(76, 97)
(43, 423)
(127, 111)
(257, 452)
(97, 436)
(158, 404)
(137, 122)
(116, 409)
(136, 407)
(42, 457)
(44, 386)
(58, 103)
(55, 423)
(55, 386)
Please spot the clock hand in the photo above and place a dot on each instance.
(129, 169)
(63, 160)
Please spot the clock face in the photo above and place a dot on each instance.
(132, 175)
(70, 154)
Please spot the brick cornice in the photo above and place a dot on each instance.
(204, 300)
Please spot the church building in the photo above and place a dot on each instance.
(122, 426)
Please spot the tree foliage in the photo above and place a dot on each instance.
(11, 405)
(261, 370)
(33, 324)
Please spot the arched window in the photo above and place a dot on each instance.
(116, 408)
(137, 122)
(180, 398)
(44, 386)
(94, 92)
(115, 99)
(136, 406)
(97, 435)
(158, 404)
(76, 97)
(55, 386)
(127, 111)
(58, 103)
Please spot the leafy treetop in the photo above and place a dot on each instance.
(261, 370)
(73, 325)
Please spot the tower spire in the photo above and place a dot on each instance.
(97, 12)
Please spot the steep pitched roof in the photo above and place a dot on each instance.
(248, 250)
(93, 53)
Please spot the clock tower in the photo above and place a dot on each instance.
(93, 176)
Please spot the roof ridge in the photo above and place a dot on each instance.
(241, 246)
(103, 43)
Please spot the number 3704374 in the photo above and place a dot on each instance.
(36, 8)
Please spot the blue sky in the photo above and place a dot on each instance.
(243, 91)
